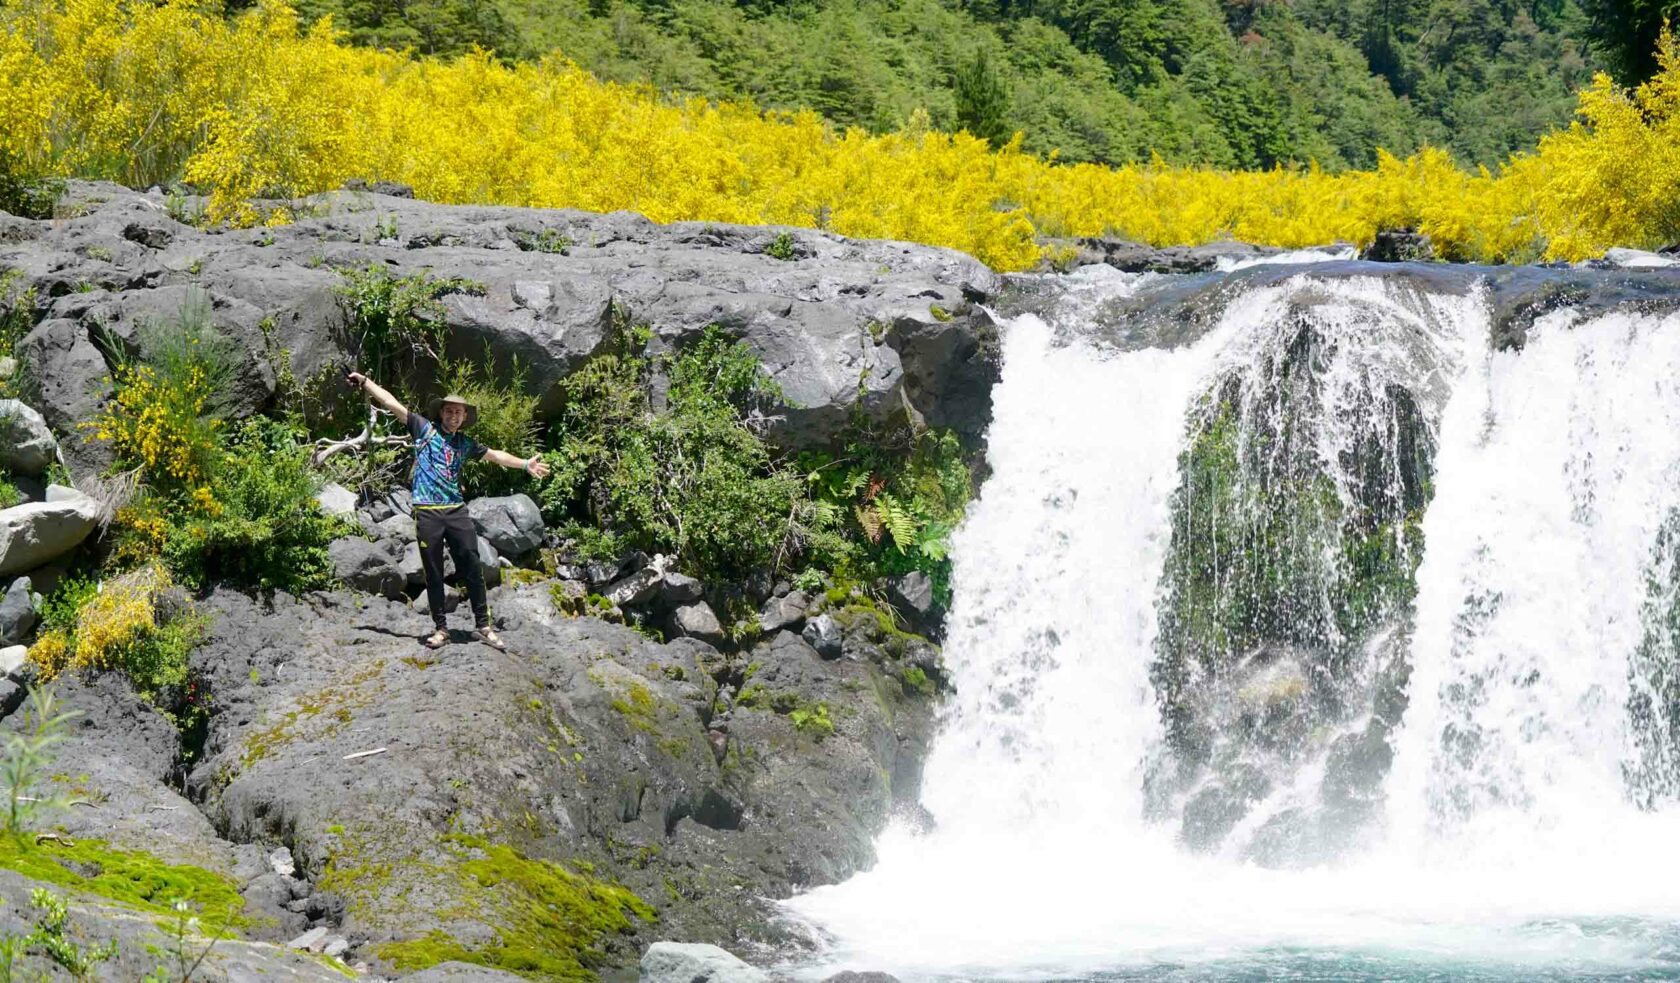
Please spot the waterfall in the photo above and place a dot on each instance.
(1560, 469)
(1211, 591)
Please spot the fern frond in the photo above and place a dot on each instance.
(898, 520)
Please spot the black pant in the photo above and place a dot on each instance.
(453, 526)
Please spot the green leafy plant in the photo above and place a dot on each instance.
(267, 532)
(781, 247)
(543, 241)
(900, 494)
(27, 195)
(507, 420)
(28, 751)
(50, 936)
(164, 419)
(184, 209)
(695, 480)
(17, 316)
(813, 720)
(396, 321)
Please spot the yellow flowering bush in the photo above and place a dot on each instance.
(50, 655)
(123, 613)
(115, 625)
(160, 427)
(261, 111)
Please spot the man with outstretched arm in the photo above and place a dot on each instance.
(440, 514)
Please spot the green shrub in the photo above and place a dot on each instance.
(16, 310)
(781, 248)
(396, 322)
(545, 241)
(268, 533)
(165, 417)
(507, 421)
(118, 625)
(28, 195)
(592, 544)
(813, 720)
(696, 480)
(9, 494)
(899, 495)
(17, 317)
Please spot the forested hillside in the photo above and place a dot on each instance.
(1230, 83)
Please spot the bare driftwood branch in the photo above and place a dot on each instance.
(326, 447)
(359, 444)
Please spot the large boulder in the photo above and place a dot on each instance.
(680, 962)
(414, 572)
(513, 524)
(26, 444)
(74, 382)
(34, 534)
(335, 499)
(698, 621)
(787, 611)
(368, 566)
(912, 595)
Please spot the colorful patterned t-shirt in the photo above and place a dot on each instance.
(438, 458)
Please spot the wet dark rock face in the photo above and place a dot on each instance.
(1286, 597)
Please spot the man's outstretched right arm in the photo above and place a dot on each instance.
(380, 397)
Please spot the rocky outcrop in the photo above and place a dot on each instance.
(17, 612)
(888, 328)
(702, 783)
(74, 382)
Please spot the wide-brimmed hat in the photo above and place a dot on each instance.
(437, 407)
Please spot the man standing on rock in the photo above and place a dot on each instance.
(440, 514)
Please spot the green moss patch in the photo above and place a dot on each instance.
(337, 703)
(132, 878)
(551, 923)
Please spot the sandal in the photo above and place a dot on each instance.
(489, 637)
(437, 639)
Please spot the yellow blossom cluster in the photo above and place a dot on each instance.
(261, 107)
(121, 615)
(159, 426)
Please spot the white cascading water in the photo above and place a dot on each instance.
(1555, 468)
(1560, 465)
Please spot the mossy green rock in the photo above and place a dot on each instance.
(1288, 582)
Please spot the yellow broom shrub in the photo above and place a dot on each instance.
(263, 108)
(113, 621)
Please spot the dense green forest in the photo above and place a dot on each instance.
(1230, 83)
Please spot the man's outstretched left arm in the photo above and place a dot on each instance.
(536, 466)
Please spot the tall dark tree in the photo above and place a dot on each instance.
(982, 99)
(1625, 32)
